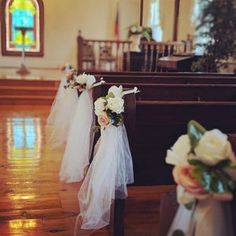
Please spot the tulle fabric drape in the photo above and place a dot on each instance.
(61, 115)
(78, 148)
(209, 217)
(111, 170)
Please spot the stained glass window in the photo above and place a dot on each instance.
(22, 27)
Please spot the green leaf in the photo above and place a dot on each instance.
(222, 164)
(178, 232)
(189, 206)
(195, 132)
(197, 163)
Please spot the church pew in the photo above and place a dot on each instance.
(134, 73)
(175, 79)
(183, 92)
(156, 126)
(159, 124)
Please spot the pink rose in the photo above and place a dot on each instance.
(103, 119)
(183, 176)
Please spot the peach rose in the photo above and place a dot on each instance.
(103, 119)
(183, 176)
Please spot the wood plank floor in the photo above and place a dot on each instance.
(33, 201)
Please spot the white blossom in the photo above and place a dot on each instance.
(213, 147)
(116, 104)
(99, 106)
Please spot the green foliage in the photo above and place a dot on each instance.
(145, 32)
(178, 232)
(116, 119)
(189, 206)
(219, 18)
(195, 132)
(212, 178)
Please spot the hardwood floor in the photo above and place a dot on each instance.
(33, 201)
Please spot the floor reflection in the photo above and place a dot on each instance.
(23, 224)
(24, 137)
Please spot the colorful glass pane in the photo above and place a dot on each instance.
(22, 17)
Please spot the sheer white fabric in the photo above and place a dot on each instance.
(78, 147)
(61, 115)
(111, 170)
(210, 217)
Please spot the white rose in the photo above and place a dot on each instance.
(178, 154)
(213, 147)
(117, 91)
(99, 106)
(133, 29)
(115, 104)
(81, 79)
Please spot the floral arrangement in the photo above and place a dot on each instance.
(204, 164)
(110, 108)
(135, 29)
(79, 82)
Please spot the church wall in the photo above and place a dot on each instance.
(186, 24)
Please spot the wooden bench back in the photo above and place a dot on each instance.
(172, 79)
(183, 92)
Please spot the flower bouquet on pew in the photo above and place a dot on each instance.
(81, 82)
(204, 170)
(79, 143)
(70, 73)
(110, 109)
(64, 102)
(111, 168)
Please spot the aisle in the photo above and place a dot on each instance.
(33, 201)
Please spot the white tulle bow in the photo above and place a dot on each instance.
(111, 170)
(80, 138)
(61, 115)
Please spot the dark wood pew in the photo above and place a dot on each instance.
(157, 125)
(161, 74)
(182, 92)
(169, 79)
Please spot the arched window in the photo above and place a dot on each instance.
(22, 26)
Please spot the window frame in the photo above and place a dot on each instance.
(5, 51)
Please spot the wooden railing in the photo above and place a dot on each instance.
(114, 55)
(153, 51)
(101, 55)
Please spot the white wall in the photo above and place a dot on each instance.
(186, 26)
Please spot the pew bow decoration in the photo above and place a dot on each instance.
(80, 136)
(204, 170)
(58, 123)
(111, 169)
